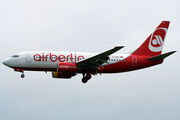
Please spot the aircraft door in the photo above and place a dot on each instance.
(28, 57)
(134, 61)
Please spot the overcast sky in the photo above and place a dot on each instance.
(89, 26)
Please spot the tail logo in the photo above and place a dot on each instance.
(157, 40)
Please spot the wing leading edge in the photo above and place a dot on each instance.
(97, 60)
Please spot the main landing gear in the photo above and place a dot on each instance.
(86, 77)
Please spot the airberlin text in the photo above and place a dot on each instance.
(60, 58)
(67, 66)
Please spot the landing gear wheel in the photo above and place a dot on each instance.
(84, 80)
(22, 75)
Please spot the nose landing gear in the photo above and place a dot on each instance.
(20, 70)
(22, 75)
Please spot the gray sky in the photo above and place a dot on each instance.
(89, 26)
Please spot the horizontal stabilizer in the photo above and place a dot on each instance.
(160, 57)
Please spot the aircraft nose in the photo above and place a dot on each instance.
(6, 62)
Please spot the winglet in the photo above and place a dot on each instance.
(109, 52)
(160, 57)
(118, 47)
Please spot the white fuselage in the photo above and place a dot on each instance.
(48, 60)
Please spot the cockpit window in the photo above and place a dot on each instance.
(15, 56)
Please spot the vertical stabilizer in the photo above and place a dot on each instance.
(153, 45)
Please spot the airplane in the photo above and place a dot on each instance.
(69, 64)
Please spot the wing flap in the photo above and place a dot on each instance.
(96, 64)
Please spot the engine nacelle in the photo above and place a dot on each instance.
(62, 75)
(66, 67)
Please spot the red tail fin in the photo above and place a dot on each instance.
(154, 43)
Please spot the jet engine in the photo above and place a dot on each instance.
(62, 75)
(66, 67)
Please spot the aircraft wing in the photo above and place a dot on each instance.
(97, 60)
